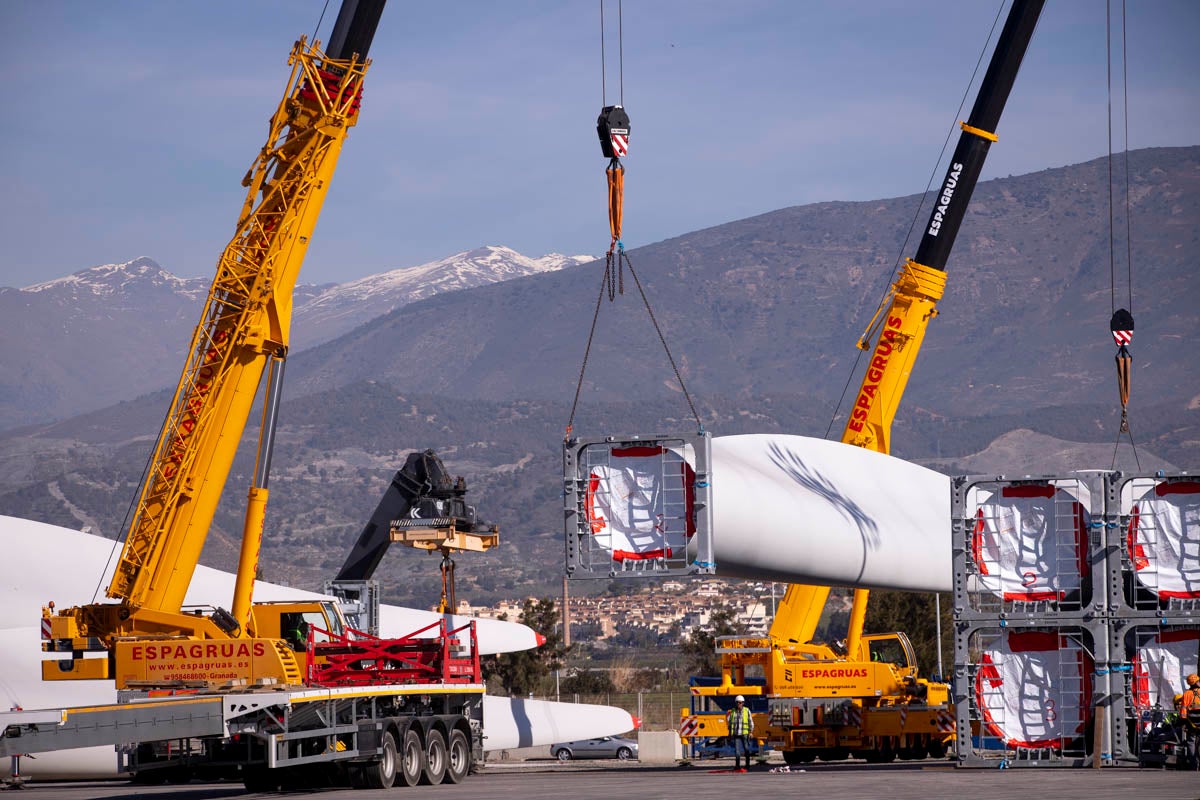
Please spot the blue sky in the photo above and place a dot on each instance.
(130, 124)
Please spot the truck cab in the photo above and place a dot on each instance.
(894, 649)
(294, 621)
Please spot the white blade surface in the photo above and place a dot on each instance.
(21, 685)
(804, 510)
(47, 562)
(511, 722)
(69, 567)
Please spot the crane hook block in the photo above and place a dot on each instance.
(1122, 327)
(613, 129)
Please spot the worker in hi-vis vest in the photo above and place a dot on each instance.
(741, 726)
(1189, 710)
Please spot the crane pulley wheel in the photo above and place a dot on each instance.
(613, 130)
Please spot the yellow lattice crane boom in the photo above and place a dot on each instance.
(242, 335)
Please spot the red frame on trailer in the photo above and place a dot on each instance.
(359, 659)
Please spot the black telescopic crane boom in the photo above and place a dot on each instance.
(955, 194)
(354, 28)
(421, 489)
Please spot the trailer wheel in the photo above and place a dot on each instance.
(381, 773)
(458, 757)
(412, 758)
(435, 758)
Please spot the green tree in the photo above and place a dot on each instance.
(524, 672)
(914, 613)
(699, 647)
(834, 621)
(648, 679)
(637, 637)
(588, 681)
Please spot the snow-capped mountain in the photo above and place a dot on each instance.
(129, 287)
(345, 306)
(115, 331)
(120, 284)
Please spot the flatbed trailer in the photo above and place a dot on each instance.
(366, 736)
(370, 713)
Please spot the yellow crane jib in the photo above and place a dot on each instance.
(914, 297)
(244, 328)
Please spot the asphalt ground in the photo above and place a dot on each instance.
(583, 780)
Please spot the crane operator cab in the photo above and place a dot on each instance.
(295, 630)
(889, 649)
(293, 622)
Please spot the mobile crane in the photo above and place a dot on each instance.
(864, 697)
(226, 689)
(243, 334)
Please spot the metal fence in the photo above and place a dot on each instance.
(658, 711)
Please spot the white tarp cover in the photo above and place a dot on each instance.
(1160, 665)
(1034, 689)
(1164, 539)
(639, 505)
(1030, 543)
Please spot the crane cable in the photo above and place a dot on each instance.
(613, 130)
(1121, 323)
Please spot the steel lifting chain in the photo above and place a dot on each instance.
(606, 283)
(616, 248)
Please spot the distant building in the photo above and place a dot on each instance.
(674, 604)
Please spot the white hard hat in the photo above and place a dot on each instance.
(740, 699)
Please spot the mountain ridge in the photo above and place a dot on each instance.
(1015, 376)
(111, 316)
(775, 303)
